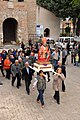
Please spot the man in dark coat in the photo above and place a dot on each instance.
(27, 73)
(63, 71)
(68, 47)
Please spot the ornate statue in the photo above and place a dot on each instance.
(44, 52)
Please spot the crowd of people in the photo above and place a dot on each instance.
(75, 54)
(74, 51)
(15, 63)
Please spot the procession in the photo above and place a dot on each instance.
(21, 65)
(39, 59)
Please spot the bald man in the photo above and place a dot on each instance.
(27, 73)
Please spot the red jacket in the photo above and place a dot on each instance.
(7, 64)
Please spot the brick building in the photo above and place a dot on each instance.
(17, 20)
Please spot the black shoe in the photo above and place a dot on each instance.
(63, 90)
(17, 87)
(20, 84)
(58, 102)
(48, 80)
(28, 92)
(1, 83)
(12, 84)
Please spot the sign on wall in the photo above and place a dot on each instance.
(39, 30)
(10, 4)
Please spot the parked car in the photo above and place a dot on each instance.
(50, 40)
(62, 41)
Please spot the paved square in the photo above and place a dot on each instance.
(15, 104)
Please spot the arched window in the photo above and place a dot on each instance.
(47, 32)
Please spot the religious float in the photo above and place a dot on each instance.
(43, 58)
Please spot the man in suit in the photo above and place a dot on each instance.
(27, 73)
(63, 71)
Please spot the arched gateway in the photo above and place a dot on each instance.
(47, 32)
(10, 27)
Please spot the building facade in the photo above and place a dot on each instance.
(48, 23)
(17, 20)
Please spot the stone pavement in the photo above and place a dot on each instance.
(15, 104)
(9, 46)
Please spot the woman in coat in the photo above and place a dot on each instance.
(7, 67)
(41, 86)
(57, 78)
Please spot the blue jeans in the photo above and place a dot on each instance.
(55, 62)
(77, 63)
(40, 96)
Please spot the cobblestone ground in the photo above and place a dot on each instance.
(7, 47)
(15, 104)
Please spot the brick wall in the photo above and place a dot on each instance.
(31, 8)
(23, 12)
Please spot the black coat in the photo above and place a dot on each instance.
(26, 75)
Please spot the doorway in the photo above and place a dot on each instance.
(47, 32)
(9, 30)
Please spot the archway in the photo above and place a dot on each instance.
(9, 30)
(47, 32)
